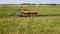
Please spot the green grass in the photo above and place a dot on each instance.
(30, 25)
(9, 10)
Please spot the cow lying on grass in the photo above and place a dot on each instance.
(27, 12)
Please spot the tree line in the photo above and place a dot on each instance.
(28, 4)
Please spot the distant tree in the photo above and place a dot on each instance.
(40, 4)
(52, 4)
(33, 4)
(26, 4)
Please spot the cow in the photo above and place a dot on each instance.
(27, 12)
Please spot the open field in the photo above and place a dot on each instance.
(10, 9)
(30, 25)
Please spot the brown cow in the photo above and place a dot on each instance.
(27, 12)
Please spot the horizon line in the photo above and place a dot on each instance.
(30, 3)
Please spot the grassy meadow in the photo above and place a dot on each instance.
(41, 9)
(30, 25)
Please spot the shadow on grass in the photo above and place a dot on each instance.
(41, 15)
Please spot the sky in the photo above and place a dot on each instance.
(30, 1)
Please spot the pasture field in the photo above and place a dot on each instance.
(41, 9)
(30, 25)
